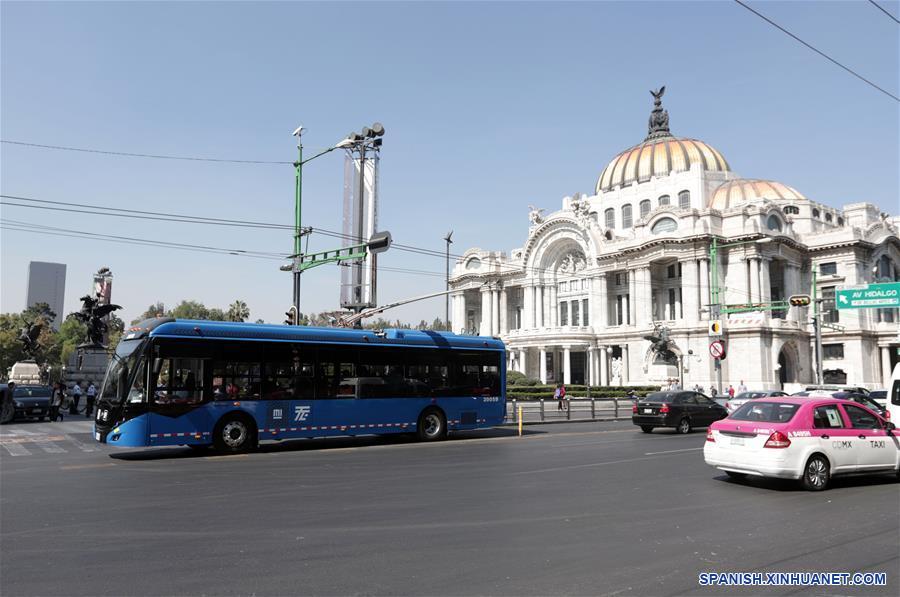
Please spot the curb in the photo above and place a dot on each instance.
(525, 423)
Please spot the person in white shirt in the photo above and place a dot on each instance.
(91, 396)
(742, 387)
(76, 398)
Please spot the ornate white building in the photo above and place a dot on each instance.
(595, 280)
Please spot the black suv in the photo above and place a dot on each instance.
(680, 409)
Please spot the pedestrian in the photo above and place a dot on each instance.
(76, 398)
(7, 403)
(91, 396)
(742, 388)
(57, 398)
(632, 396)
(557, 395)
(713, 392)
(730, 391)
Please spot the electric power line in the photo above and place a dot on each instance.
(819, 52)
(142, 155)
(879, 7)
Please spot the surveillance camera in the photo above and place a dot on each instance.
(298, 131)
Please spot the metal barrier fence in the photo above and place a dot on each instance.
(576, 409)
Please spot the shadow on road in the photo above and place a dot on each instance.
(789, 485)
(316, 444)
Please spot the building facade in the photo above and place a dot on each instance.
(599, 282)
(47, 284)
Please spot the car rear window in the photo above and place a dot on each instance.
(32, 392)
(765, 412)
(660, 397)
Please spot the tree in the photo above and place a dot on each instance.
(71, 333)
(116, 328)
(237, 311)
(11, 350)
(156, 310)
(189, 310)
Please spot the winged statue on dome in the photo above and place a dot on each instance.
(535, 215)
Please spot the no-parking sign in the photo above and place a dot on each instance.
(717, 349)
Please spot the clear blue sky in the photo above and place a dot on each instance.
(489, 107)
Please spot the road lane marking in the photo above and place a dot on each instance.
(72, 467)
(16, 449)
(672, 451)
(50, 447)
(30, 439)
(81, 446)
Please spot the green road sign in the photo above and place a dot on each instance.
(873, 296)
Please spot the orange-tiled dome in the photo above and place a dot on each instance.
(741, 190)
(659, 156)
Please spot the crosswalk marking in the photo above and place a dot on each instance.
(81, 446)
(50, 447)
(16, 449)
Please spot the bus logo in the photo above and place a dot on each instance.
(300, 413)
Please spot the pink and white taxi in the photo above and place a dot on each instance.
(810, 439)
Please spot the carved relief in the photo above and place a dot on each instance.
(572, 262)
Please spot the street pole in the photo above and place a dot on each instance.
(298, 183)
(447, 298)
(715, 306)
(817, 329)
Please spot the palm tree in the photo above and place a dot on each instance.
(238, 311)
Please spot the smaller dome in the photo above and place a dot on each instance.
(742, 190)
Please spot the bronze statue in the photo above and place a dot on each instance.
(659, 118)
(661, 344)
(29, 335)
(92, 314)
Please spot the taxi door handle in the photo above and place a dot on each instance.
(860, 436)
(825, 436)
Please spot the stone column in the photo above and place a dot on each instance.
(626, 378)
(690, 291)
(545, 305)
(457, 319)
(755, 280)
(542, 366)
(629, 314)
(527, 307)
(504, 312)
(604, 366)
(567, 366)
(645, 305)
(495, 312)
(600, 308)
(523, 361)
(486, 316)
(886, 368)
(589, 366)
(554, 315)
(705, 299)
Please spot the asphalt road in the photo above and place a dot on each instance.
(569, 509)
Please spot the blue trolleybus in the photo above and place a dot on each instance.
(231, 385)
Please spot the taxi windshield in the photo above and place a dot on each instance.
(765, 412)
(119, 373)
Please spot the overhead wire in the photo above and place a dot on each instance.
(142, 155)
(876, 5)
(818, 51)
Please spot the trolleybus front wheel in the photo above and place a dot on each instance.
(235, 433)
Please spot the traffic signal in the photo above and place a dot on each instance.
(291, 316)
(800, 300)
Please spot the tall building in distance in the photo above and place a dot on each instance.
(47, 284)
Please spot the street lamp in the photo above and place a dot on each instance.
(345, 143)
(447, 297)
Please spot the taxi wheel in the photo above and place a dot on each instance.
(684, 426)
(647, 428)
(816, 473)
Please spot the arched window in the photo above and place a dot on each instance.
(774, 223)
(684, 200)
(792, 210)
(664, 200)
(827, 217)
(608, 235)
(645, 208)
(473, 263)
(610, 215)
(840, 221)
(626, 216)
(664, 225)
(815, 213)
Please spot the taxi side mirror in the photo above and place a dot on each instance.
(889, 426)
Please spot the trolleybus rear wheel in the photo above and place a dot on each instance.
(235, 433)
(432, 425)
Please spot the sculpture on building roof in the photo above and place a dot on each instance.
(535, 215)
(659, 118)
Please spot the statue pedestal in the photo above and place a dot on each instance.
(87, 365)
(25, 373)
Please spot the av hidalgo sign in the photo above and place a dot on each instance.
(873, 296)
